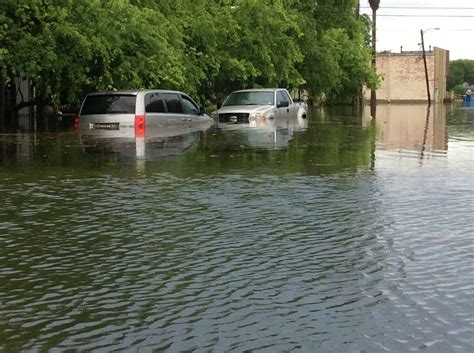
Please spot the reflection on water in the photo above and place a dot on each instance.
(339, 234)
(276, 134)
(412, 129)
(159, 140)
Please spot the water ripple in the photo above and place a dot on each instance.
(363, 260)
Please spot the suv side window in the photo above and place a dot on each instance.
(173, 103)
(281, 97)
(154, 103)
(189, 106)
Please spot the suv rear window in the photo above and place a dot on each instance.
(109, 104)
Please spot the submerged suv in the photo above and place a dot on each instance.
(139, 109)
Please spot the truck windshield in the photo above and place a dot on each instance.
(249, 98)
(109, 104)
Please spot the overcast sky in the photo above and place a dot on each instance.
(454, 18)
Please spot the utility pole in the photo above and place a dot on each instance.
(422, 32)
(374, 4)
(426, 68)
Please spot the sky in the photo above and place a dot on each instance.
(399, 23)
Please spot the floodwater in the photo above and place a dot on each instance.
(336, 234)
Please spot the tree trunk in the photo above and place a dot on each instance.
(374, 5)
(11, 112)
(2, 104)
(357, 99)
(373, 94)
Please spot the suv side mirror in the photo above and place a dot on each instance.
(202, 110)
(283, 104)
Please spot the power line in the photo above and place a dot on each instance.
(411, 30)
(420, 8)
(381, 15)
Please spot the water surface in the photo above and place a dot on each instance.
(340, 234)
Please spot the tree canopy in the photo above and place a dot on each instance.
(205, 47)
(460, 71)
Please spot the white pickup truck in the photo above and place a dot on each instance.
(259, 108)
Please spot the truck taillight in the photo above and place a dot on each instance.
(139, 125)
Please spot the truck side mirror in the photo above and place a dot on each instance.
(202, 110)
(283, 104)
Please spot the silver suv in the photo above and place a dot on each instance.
(141, 108)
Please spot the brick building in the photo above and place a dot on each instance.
(403, 76)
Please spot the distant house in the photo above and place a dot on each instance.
(404, 79)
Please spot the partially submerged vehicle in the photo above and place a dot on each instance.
(140, 109)
(259, 108)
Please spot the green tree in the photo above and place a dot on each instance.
(460, 71)
(261, 48)
(205, 47)
(335, 47)
(68, 47)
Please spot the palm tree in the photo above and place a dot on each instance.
(374, 4)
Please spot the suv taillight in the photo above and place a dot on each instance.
(76, 121)
(139, 125)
